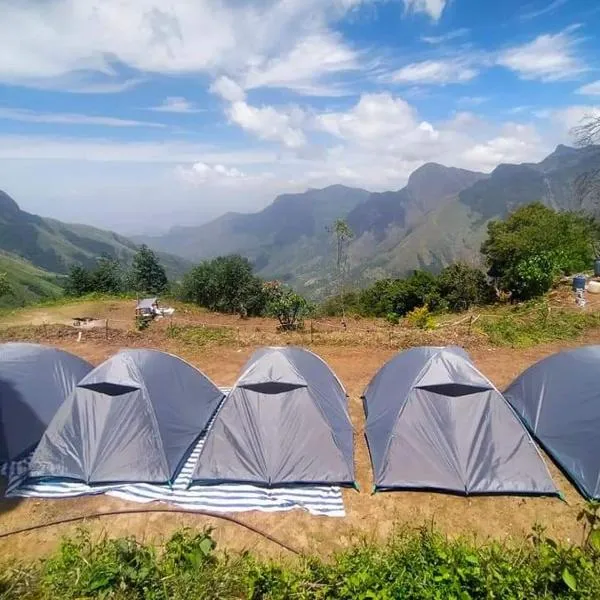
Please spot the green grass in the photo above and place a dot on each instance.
(419, 564)
(29, 284)
(534, 323)
(200, 335)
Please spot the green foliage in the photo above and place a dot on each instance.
(142, 322)
(27, 283)
(461, 287)
(412, 564)
(534, 323)
(79, 282)
(5, 287)
(147, 274)
(421, 317)
(535, 244)
(400, 296)
(107, 277)
(287, 306)
(225, 284)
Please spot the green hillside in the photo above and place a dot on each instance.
(56, 246)
(28, 283)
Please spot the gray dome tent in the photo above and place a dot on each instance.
(135, 418)
(285, 422)
(34, 382)
(558, 399)
(435, 422)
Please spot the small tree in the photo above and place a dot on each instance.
(107, 278)
(147, 274)
(79, 281)
(462, 286)
(5, 287)
(286, 305)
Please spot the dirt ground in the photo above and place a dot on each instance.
(371, 516)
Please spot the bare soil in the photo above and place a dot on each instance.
(370, 516)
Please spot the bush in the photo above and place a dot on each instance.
(288, 307)
(421, 317)
(225, 284)
(461, 287)
(410, 565)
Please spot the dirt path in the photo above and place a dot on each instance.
(367, 515)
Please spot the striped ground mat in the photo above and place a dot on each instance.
(322, 500)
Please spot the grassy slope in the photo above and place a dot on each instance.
(29, 283)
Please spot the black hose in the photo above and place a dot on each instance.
(260, 532)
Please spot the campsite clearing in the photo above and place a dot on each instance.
(221, 358)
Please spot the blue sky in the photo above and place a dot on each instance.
(140, 114)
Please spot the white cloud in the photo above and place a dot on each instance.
(433, 8)
(572, 116)
(533, 14)
(201, 172)
(58, 39)
(228, 89)
(438, 72)
(176, 104)
(546, 58)
(269, 123)
(590, 89)
(445, 37)
(30, 116)
(314, 57)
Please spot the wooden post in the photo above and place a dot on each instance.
(311, 332)
(106, 328)
(238, 337)
(390, 337)
(470, 324)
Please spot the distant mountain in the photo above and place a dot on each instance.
(55, 246)
(28, 283)
(439, 217)
(282, 240)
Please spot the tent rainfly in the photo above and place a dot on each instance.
(435, 422)
(135, 418)
(558, 399)
(34, 382)
(285, 422)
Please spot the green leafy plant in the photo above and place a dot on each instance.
(421, 318)
(287, 306)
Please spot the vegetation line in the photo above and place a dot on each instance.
(113, 513)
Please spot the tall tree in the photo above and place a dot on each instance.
(5, 287)
(147, 274)
(343, 235)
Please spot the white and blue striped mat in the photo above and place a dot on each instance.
(321, 500)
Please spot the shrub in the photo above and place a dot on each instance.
(288, 307)
(421, 317)
(461, 287)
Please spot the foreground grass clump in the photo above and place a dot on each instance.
(530, 324)
(412, 564)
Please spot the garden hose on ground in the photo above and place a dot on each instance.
(260, 532)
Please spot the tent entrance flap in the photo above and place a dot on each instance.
(453, 390)
(110, 389)
(272, 387)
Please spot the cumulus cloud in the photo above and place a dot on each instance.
(201, 172)
(228, 89)
(269, 123)
(278, 43)
(546, 58)
(176, 104)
